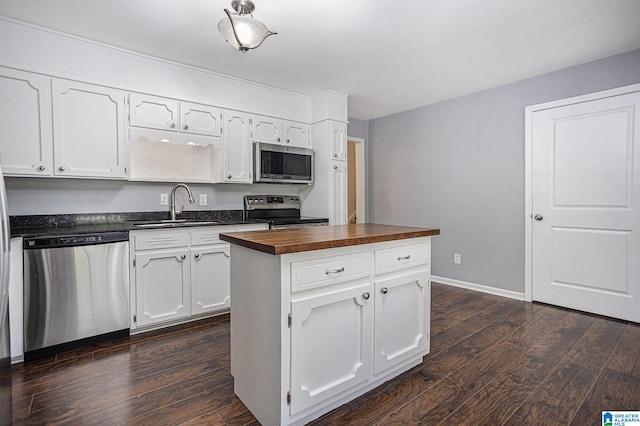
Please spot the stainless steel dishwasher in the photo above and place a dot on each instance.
(76, 290)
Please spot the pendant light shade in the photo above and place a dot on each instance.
(240, 29)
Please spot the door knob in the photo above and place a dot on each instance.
(538, 217)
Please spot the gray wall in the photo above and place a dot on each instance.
(458, 165)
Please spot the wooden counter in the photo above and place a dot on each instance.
(282, 241)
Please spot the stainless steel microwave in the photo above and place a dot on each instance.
(282, 164)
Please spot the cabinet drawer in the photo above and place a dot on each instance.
(146, 241)
(329, 270)
(395, 258)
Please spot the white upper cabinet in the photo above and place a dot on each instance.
(279, 132)
(25, 114)
(236, 148)
(88, 130)
(338, 193)
(154, 112)
(338, 141)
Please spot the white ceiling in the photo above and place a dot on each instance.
(388, 56)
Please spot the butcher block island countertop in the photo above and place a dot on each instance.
(308, 238)
(322, 314)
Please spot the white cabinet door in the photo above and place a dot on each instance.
(162, 286)
(338, 141)
(331, 344)
(200, 119)
(25, 114)
(153, 112)
(266, 129)
(236, 147)
(296, 134)
(88, 130)
(210, 281)
(401, 319)
(338, 193)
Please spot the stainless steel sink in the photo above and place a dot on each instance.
(175, 223)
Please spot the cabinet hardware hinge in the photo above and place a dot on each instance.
(134, 263)
(289, 321)
(288, 398)
(135, 318)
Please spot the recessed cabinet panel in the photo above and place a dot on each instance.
(210, 281)
(25, 108)
(400, 319)
(200, 119)
(331, 344)
(162, 286)
(236, 147)
(153, 112)
(297, 134)
(338, 200)
(88, 130)
(392, 259)
(338, 141)
(329, 270)
(265, 129)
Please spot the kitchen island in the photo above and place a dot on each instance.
(321, 315)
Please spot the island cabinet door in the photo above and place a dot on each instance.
(401, 319)
(331, 344)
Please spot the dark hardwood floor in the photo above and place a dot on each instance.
(493, 361)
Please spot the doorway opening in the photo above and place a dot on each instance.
(355, 180)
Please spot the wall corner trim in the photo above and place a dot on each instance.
(479, 287)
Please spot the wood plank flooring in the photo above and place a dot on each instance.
(493, 361)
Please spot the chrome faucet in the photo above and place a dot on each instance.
(174, 212)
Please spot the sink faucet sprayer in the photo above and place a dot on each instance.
(173, 199)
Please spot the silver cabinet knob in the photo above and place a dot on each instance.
(538, 217)
(197, 255)
(228, 176)
(287, 140)
(335, 154)
(384, 290)
(277, 139)
(172, 125)
(183, 257)
(41, 168)
(335, 167)
(61, 169)
(366, 296)
(185, 127)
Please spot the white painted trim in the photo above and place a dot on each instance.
(363, 174)
(528, 170)
(479, 287)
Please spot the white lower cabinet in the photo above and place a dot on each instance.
(162, 286)
(179, 274)
(326, 326)
(331, 344)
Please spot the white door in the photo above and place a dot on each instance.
(331, 345)
(210, 280)
(400, 304)
(153, 112)
(338, 202)
(236, 147)
(200, 119)
(585, 203)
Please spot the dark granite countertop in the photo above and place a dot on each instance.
(68, 224)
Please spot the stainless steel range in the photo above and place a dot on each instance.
(281, 211)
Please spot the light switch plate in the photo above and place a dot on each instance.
(164, 199)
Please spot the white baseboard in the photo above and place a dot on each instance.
(479, 287)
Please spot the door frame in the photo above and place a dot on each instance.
(528, 170)
(362, 176)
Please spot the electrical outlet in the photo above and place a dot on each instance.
(164, 199)
(203, 199)
(457, 258)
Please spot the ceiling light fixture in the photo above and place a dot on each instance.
(240, 29)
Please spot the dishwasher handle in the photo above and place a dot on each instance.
(57, 241)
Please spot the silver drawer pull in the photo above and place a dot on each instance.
(334, 271)
(366, 296)
(384, 290)
(407, 257)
